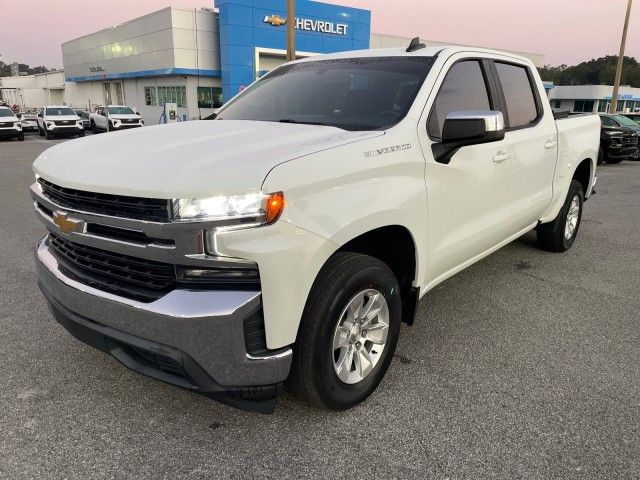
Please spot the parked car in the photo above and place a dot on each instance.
(84, 116)
(115, 117)
(618, 139)
(29, 120)
(10, 126)
(288, 239)
(59, 120)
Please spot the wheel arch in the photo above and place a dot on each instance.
(394, 245)
(583, 173)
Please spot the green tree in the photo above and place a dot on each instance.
(600, 71)
(5, 69)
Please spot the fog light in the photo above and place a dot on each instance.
(247, 275)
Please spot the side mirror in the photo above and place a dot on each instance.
(462, 129)
(39, 115)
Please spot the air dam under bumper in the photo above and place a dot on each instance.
(191, 339)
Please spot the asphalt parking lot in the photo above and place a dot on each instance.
(525, 365)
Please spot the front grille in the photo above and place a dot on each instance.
(129, 121)
(141, 279)
(6, 124)
(151, 209)
(62, 123)
(130, 277)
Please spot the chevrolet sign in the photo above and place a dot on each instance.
(309, 25)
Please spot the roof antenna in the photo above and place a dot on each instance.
(415, 45)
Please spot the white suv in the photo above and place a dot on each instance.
(59, 120)
(10, 125)
(115, 117)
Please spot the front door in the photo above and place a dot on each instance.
(468, 195)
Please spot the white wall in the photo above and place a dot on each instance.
(168, 38)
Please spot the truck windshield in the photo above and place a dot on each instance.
(59, 111)
(353, 94)
(5, 112)
(120, 111)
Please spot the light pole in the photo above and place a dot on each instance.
(613, 108)
(291, 30)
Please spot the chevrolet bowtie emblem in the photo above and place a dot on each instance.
(66, 224)
(275, 20)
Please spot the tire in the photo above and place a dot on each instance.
(47, 134)
(40, 131)
(93, 127)
(600, 156)
(81, 134)
(21, 137)
(557, 236)
(346, 279)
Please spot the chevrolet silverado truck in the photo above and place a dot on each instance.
(285, 241)
(113, 118)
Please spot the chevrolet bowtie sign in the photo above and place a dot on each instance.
(309, 25)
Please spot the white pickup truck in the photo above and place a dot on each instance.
(113, 118)
(285, 241)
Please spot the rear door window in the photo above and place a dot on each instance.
(464, 89)
(520, 100)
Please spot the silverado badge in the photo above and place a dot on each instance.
(66, 224)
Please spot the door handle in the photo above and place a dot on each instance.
(550, 144)
(501, 157)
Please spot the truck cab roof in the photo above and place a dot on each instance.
(434, 51)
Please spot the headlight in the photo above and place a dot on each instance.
(613, 133)
(256, 208)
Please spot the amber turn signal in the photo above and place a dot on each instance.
(274, 207)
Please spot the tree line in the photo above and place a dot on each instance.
(600, 71)
(5, 69)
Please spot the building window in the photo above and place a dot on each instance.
(177, 95)
(150, 96)
(209, 97)
(603, 106)
(583, 105)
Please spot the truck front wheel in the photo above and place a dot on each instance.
(559, 235)
(348, 334)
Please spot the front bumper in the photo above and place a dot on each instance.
(70, 130)
(10, 132)
(191, 339)
(622, 151)
(127, 126)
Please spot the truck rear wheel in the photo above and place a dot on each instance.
(348, 333)
(559, 235)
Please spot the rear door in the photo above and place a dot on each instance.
(532, 136)
(467, 196)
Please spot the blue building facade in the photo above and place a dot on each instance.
(248, 26)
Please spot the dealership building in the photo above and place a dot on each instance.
(195, 58)
(593, 99)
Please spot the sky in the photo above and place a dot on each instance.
(565, 31)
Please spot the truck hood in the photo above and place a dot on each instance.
(195, 159)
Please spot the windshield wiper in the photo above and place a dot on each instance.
(291, 120)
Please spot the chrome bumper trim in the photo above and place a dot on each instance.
(187, 246)
(208, 326)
